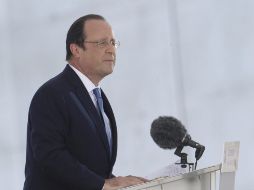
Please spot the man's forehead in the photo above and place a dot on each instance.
(95, 25)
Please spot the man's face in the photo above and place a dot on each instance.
(94, 61)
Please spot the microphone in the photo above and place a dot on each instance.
(169, 133)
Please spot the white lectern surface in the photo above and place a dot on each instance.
(203, 179)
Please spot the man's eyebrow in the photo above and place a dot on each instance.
(102, 39)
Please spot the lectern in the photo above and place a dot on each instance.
(203, 179)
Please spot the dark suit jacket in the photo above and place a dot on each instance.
(67, 147)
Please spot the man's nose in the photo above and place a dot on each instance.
(111, 49)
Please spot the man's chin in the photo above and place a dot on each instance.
(110, 72)
(107, 72)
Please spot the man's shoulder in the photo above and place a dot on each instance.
(56, 85)
(52, 94)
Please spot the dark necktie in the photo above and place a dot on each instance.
(100, 109)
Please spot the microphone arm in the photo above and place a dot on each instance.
(188, 142)
(199, 152)
(178, 150)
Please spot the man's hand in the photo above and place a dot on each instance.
(120, 182)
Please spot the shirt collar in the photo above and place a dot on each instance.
(85, 80)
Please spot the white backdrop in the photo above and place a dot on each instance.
(192, 59)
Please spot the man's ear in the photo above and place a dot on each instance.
(75, 50)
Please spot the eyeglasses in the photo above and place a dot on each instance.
(105, 43)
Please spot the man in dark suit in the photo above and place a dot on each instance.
(71, 134)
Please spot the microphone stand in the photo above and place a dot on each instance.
(184, 161)
(186, 141)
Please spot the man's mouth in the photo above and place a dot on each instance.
(109, 60)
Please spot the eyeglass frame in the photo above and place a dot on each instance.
(105, 43)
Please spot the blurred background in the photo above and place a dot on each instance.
(191, 59)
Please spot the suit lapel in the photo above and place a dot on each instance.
(88, 105)
(110, 114)
(94, 115)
